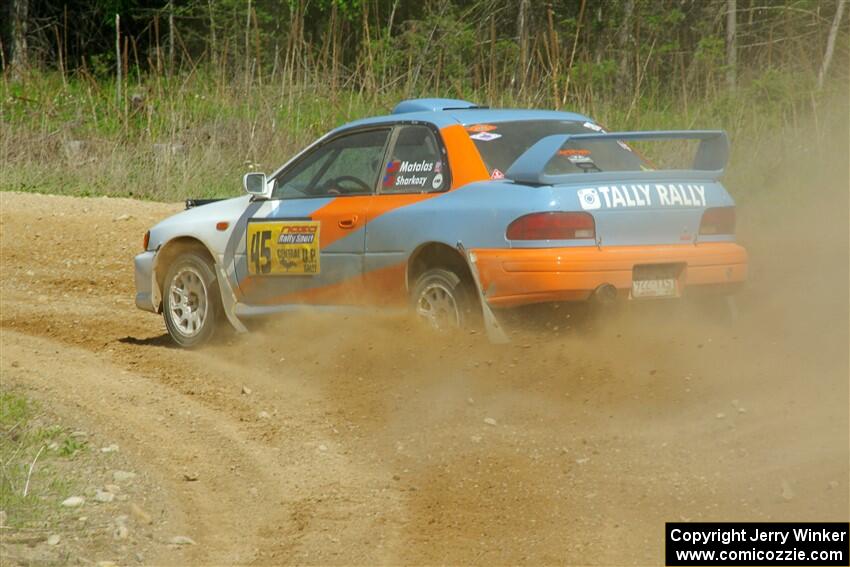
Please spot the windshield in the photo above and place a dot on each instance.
(501, 143)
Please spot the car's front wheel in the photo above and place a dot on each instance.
(443, 300)
(191, 301)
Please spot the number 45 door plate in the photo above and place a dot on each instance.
(283, 248)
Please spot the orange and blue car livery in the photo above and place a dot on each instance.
(549, 206)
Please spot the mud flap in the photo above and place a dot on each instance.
(228, 300)
(494, 330)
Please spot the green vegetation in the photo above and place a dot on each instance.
(32, 458)
(237, 86)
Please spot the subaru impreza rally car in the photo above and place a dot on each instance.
(455, 210)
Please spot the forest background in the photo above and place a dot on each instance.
(168, 100)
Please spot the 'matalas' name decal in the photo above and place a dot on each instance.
(642, 195)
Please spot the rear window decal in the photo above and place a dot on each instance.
(579, 158)
(485, 136)
(573, 153)
(405, 174)
(481, 128)
(437, 181)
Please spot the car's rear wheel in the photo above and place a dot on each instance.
(191, 300)
(443, 300)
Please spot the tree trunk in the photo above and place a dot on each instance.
(731, 43)
(522, 39)
(118, 78)
(213, 52)
(247, 44)
(830, 43)
(18, 47)
(625, 46)
(170, 38)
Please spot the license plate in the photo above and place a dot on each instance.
(663, 287)
(283, 248)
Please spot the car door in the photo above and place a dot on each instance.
(415, 170)
(306, 243)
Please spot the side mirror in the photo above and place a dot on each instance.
(255, 184)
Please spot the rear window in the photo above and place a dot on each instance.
(501, 143)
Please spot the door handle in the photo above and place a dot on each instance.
(348, 222)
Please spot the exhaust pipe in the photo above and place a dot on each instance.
(605, 294)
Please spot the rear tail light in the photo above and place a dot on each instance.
(552, 226)
(146, 240)
(718, 220)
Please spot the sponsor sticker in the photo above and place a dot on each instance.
(594, 127)
(642, 195)
(485, 136)
(437, 181)
(282, 248)
(568, 153)
(481, 128)
(496, 174)
(589, 199)
(576, 156)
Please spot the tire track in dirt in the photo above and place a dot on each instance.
(241, 509)
(171, 432)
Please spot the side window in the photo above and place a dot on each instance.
(347, 165)
(293, 184)
(415, 163)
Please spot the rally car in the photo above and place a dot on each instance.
(455, 210)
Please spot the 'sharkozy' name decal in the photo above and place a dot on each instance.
(642, 195)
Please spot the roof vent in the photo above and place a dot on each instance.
(432, 105)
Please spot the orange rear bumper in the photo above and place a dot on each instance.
(517, 276)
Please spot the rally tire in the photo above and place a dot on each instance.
(191, 300)
(444, 300)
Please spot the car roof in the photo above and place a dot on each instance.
(446, 112)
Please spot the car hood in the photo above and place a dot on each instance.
(198, 222)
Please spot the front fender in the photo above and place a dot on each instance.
(149, 293)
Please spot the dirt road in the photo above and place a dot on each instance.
(364, 440)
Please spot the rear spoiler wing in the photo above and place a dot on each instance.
(709, 162)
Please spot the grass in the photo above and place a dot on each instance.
(33, 457)
(194, 135)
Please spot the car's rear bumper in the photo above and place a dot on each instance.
(512, 277)
(143, 264)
